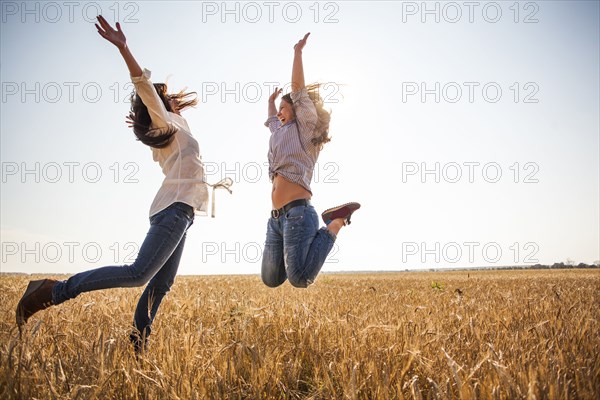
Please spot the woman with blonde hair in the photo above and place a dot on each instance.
(295, 248)
(156, 121)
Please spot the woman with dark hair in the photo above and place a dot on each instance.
(295, 248)
(156, 121)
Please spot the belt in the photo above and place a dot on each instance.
(296, 203)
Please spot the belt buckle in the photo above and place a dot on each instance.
(275, 214)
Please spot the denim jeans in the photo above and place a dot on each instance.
(157, 262)
(295, 248)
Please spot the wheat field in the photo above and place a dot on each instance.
(419, 335)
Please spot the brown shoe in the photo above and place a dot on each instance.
(344, 211)
(37, 297)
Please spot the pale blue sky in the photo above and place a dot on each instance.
(373, 57)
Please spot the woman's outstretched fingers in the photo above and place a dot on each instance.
(116, 37)
(103, 23)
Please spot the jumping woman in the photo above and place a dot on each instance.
(295, 247)
(156, 121)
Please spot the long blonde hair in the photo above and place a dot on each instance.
(323, 116)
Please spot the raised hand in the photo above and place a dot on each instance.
(297, 68)
(272, 98)
(116, 37)
(301, 43)
(275, 94)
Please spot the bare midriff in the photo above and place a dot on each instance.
(285, 191)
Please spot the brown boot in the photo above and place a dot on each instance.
(37, 297)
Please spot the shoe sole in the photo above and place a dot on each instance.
(331, 211)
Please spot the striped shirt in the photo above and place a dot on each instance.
(180, 160)
(291, 152)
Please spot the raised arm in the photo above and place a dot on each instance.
(272, 106)
(297, 68)
(272, 122)
(117, 37)
(141, 78)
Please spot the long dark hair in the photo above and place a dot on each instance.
(323, 116)
(158, 137)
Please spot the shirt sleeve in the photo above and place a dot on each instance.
(306, 112)
(145, 89)
(272, 123)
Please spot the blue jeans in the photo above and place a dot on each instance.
(295, 248)
(157, 262)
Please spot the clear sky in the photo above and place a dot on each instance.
(469, 131)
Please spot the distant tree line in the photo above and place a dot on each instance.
(562, 265)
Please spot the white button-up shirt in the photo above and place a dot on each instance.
(180, 160)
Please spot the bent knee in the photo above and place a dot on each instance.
(137, 279)
(271, 281)
(299, 281)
